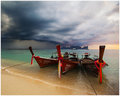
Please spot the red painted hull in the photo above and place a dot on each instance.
(68, 65)
(43, 62)
(89, 65)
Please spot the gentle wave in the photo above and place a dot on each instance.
(36, 79)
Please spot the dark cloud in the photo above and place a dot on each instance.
(64, 30)
(25, 24)
(75, 23)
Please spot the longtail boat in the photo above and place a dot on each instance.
(43, 62)
(66, 63)
(94, 65)
(89, 64)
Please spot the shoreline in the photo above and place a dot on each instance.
(22, 79)
(26, 86)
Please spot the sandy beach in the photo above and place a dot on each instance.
(20, 78)
(14, 85)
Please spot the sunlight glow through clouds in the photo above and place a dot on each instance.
(107, 46)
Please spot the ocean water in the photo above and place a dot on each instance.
(110, 73)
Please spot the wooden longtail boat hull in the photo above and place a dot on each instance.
(89, 65)
(68, 65)
(43, 62)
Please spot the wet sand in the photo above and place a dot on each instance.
(14, 85)
(20, 78)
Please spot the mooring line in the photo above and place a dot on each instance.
(89, 81)
(12, 66)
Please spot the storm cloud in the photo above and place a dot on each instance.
(50, 23)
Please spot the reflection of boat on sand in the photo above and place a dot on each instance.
(70, 60)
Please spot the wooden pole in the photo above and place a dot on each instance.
(101, 53)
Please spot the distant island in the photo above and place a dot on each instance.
(74, 47)
(62, 47)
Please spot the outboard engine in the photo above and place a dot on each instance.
(85, 55)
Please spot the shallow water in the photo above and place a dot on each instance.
(75, 79)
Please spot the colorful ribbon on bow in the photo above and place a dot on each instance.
(100, 68)
(32, 59)
(97, 62)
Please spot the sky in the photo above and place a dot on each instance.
(44, 24)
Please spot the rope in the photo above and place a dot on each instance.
(13, 66)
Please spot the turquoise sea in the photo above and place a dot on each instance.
(111, 72)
